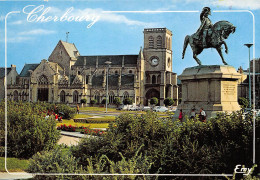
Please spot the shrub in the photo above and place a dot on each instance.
(83, 101)
(66, 111)
(54, 161)
(28, 131)
(128, 101)
(189, 147)
(168, 101)
(117, 101)
(103, 101)
(243, 102)
(93, 101)
(154, 101)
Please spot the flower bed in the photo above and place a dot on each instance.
(82, 130)
(94, 132)
(69, 128)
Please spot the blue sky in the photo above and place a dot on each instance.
(122, 33)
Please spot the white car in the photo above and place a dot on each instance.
(160, 109)
(133, 108)
(146, 108)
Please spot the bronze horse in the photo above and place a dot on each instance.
(215, 38)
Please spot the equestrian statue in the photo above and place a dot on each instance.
(208, 36)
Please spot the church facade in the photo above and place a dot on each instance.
(68, 77)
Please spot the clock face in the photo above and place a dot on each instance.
(154, 61)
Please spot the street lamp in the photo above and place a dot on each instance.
(108, 64)
(249, 83)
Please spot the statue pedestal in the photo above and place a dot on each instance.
(213, 88)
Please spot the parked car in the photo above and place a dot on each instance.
(146, 108)
(160, 109)
(133, 108)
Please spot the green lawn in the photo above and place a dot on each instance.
(13, 164)
(91, 125)
(98, 109)
(77, 116)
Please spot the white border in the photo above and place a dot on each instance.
(70, 174)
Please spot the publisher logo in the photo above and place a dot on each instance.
(243, 170)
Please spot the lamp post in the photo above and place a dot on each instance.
(108, 64)
(249, 83)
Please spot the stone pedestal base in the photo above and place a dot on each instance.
(213, 88)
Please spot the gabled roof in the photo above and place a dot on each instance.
(115, 59)
(25, 71)
(70, 48)
(2, 71)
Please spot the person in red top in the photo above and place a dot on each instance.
(56, 117)
(181, 115)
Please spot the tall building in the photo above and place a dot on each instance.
(67, 76)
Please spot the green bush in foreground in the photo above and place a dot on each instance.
(214, 147)
(28, 131)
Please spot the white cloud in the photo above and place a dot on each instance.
(242, 4)
(238, 4)
(99, 15)
(16, 22)
(37, 32)
(17, 39)
(2, 18)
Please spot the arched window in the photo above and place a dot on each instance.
(125, 95)
(111, 97)
(15, 95)
(116, 72)
(159, 79)
(159, 41)
(43, 80)
(75, 97)
(23, 96)
(97, 97)
(169, 62)
(148, 80)
(151, 42)
(130, 71)
(62, 97)
(153, 79)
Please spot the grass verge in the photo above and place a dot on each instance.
(90, 125)
(14, 164)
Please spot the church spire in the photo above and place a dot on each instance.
(141, 54)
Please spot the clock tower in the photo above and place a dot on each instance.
(158, 64)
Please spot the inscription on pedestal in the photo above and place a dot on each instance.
(229, 89)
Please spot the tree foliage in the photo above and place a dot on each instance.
(243, 102)
(154, 101)
(128, 101)
(28, 131)
(168, 101)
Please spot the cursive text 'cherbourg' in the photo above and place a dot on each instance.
(39, 14)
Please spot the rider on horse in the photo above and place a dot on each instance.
(205, 26)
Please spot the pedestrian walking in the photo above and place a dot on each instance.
(202, 115)
(181, 115)
(77, 108)
(192, 114)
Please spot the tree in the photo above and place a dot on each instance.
(103, 101)
(128, 101)
(83, 101)
(168, 101)
(243, 102)
(154, 101)
(117, 101)
(93, 101)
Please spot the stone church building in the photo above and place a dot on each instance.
(68, 77)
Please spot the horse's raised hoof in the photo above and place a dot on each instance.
(225, 63)
(182, 56)
(226, 51)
